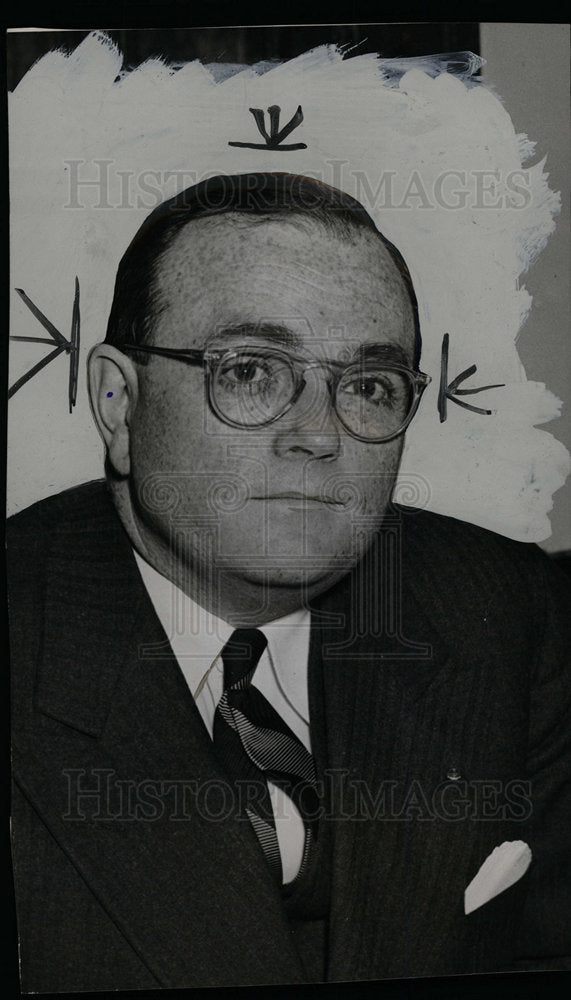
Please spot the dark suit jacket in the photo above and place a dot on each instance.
(449, 663)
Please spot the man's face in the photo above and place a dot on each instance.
(296, 501)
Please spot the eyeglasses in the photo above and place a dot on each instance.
(252, 387)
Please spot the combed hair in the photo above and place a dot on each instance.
(277, 195)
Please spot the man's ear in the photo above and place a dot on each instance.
(113, 391)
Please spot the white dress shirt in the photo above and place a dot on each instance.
(197, 638)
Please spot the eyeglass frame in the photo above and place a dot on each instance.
(209, 357)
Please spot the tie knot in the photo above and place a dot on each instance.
(241, 655)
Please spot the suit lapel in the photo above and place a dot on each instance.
(372, 637)
(157, 842)
(368, 676)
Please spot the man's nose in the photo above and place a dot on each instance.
(311, 427)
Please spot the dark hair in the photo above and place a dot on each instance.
(272, 194)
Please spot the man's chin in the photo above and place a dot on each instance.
(310, 579)
(287, 566)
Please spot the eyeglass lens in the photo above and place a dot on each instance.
(251, 388)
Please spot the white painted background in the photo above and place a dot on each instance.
(527, 65)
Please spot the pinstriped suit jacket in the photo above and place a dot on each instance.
(452, 662)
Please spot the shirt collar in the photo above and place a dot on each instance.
(197, 637)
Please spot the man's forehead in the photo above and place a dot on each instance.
(228, 271)
(234, 247)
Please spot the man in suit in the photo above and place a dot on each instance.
(268, 725)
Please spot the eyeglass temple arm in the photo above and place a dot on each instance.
(195, 357)
(188, 355)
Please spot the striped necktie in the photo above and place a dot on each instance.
(255, 746)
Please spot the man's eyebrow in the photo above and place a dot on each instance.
(384, 353)
(275, 333)
(283, 336)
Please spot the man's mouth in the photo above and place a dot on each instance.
(301, 499)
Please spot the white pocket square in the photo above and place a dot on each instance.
(504, 866)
